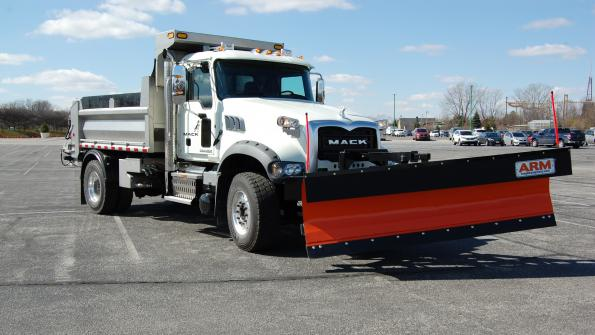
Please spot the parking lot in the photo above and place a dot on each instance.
(162, 268)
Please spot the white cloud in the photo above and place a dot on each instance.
(562, 50)
(243, 7)
(343, 78)
(17, 59)
(113, 18)
(452, 79)
(554, 23)
(65, 80)
(425, 96)
(3, 90)
(156, 6)
(428, 49)
(323, 59)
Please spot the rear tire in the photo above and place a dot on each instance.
(101, 193)
(252, 211)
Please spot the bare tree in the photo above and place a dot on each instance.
(458, 102)
(489, 103)
(31, 114)
(534, 101)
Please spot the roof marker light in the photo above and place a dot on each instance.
(278, 46)
(170, 35)
(182, 35)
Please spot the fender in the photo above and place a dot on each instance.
(258, 151)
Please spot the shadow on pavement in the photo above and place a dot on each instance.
(456, 260)
(452, 260)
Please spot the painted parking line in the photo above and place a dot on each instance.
(576, 224)
(31, 168)
(129, 244)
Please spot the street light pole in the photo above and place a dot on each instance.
(395, 109)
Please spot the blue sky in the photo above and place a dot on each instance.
(367, 50)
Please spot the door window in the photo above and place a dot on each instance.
(201, 87)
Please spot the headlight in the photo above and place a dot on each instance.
(286, 169)
(287, 122)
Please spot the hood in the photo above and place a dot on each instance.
(295, 109)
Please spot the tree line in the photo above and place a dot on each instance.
(32, 114)
(468, 105)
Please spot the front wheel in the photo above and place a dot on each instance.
(252, 211)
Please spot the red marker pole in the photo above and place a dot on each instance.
(555, 118)
(307, 144)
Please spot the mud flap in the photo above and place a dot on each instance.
(378, 208)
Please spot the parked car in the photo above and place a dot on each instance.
(461, 137)
(478, 131)
(408, 133)
(400, 132)
(490, 138)
(567, 137)
(444, 133)
(451, 132)
(389, 131)
(590, 136)
(421, 134)
(515, 138)
(435, 133)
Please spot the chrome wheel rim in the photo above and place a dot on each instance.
(93, 188)
(241, 213)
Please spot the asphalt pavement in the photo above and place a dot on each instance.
(163, 268)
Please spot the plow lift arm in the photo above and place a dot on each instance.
(354, 211)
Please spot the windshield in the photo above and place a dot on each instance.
(518, 134)
(465, 132)
(243, 79)
(492, 135)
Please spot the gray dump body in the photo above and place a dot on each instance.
(130, 122)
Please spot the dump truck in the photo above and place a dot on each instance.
(239, 128)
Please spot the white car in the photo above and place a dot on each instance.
(590, 137)
(515, 138)
(388, 131)
(400, 132)
(461, 137)
(435, 133)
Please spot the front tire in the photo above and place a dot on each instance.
(101, 193)
(252, 211)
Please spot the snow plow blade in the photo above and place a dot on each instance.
(355, 211)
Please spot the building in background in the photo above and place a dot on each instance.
(540, 124)
(408, 123)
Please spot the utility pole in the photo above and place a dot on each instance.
(470, 105)
(506, 107)
(395, 109)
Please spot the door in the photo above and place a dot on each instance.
(198, 117)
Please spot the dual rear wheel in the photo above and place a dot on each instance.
(101, 190)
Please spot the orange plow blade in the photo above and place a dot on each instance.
(379, 208)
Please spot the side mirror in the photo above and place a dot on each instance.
(320, 90)
(178, 84)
